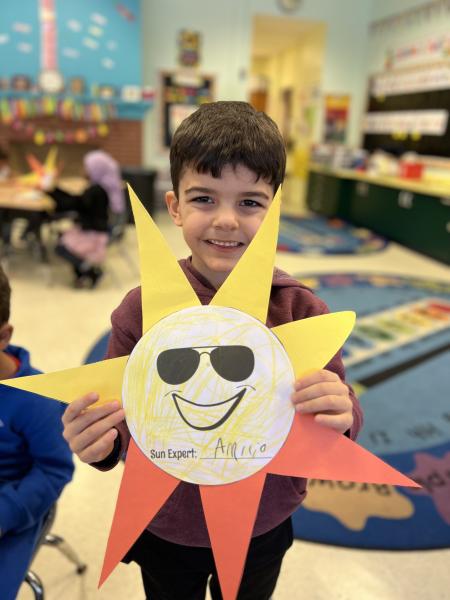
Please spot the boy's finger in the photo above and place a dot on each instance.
(341, 422)
(332, 404)
(90, 435)
(87, 417)
(318, 376)
(100, 449)
(317, 390)
(78, 406)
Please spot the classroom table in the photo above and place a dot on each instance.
(19, 201)
(33, 205)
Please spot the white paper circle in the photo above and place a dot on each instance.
(206, 394)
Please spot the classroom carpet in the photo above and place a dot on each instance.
(397, 358)
(319, 235)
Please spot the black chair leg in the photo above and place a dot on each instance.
(36, 585)
(58, 542)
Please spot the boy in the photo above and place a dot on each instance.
(227, 161)
(35, 461)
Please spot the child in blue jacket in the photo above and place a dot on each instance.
(35, 460)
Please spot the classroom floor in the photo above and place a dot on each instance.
(59, 324)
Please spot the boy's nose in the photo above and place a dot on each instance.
(226, 218)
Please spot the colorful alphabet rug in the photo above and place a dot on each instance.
(398, 360)
(318, 235)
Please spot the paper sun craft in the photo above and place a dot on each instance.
(206, 393)
(41, 173)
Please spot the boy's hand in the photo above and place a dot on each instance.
(327, 397)
(91, 433)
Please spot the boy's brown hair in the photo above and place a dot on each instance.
(228, 133)
(5, 297)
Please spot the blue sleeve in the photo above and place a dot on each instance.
(25, 501)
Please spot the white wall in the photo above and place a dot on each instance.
(226, 27)
(386, 8)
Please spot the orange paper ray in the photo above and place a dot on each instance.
(35, 165)
(314, 451)
(143, 490)
(230, 513)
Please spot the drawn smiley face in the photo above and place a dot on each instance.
(233, 363)
(205, 378)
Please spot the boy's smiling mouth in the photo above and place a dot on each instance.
(224, 244)
(215, 410)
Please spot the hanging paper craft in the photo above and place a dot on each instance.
(206, 393)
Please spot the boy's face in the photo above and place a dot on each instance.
(219, 216)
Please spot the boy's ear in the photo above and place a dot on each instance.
(6, 331)
(173, 206)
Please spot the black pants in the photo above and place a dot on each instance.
(175, 572)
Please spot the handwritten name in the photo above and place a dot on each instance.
(239, 450)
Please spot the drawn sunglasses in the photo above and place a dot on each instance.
(233, 363)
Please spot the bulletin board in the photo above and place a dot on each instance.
(411, 91)
(181, 95)
(426, 144)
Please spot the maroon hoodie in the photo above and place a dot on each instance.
(181, 519)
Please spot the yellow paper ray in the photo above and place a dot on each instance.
(312, 343)
(248, 286)
(50, 161)
(104, 377)
(165, 288)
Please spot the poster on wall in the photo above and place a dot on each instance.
(427, 78)
(181, 95)
(336, 116)
(189, 43)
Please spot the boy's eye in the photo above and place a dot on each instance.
(251, 203)
(202, 199)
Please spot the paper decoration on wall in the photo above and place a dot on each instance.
(74, 25)
(41, 136)
(424, 122)
(422, 79)
(189, 48)
(70, 53)
(108, 63)
(131, 93)
(50, 78)
(428, 50)
(433, 10)
(107, 91)
(99, 19)
(22, 27)
(20, 83)
(125, 12)
(208, 438)
(24, 47)
(77, 86)
(90, 43)
(66, 108)
(336, 108)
